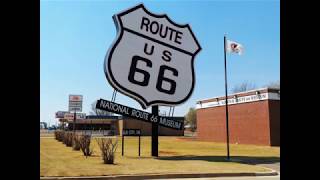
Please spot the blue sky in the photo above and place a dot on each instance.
(75, 36)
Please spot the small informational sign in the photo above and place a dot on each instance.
(152, 59)
(75, 103)
(70, 116)
(138, 114)
(131, 132)
(60, 114)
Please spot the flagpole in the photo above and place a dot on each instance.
(226, 97)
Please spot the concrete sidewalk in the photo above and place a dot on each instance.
(235, 178)
(164, 176)
(274, 166)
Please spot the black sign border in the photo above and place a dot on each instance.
(144, 104)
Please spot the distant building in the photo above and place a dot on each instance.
(113, 125)
(43, 125)
(254, 118)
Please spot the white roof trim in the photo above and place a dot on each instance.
(243, 92)
(240, 100)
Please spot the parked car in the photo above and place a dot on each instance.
(52, 128)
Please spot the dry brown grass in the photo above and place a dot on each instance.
(175, 156)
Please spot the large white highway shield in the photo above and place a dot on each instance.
(152, 58)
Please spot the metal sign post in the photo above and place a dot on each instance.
(74, 123)
(139, 145)
(154, 139)
(122, 144)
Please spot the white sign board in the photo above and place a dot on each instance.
(152, 59)
(76, 98)
(75, 103)
(70, 116)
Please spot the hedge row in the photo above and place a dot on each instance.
(82, 142)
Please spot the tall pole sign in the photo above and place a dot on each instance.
(152, 60)
(75, 104)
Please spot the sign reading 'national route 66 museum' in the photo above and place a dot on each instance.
(152, 58)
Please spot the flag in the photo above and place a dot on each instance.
(234, 47)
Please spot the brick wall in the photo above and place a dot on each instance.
(274, 111)
(248, 123)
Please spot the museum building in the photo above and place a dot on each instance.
(113, 125)
(254, 118)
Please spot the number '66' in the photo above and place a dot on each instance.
(146, 75)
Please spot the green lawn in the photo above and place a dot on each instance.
(175, 156)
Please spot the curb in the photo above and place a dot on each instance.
(162, 176)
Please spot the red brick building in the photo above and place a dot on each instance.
(254, 118)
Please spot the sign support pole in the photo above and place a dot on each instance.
(74, 123)
(122, 144)
(139, 145)
(226, 97)
(154, 143)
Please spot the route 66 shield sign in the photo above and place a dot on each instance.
(152, 58)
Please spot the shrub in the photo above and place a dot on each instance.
(76, 142)
(84, 143)
(67, 138)
(56, 135)
(59, 135)
(108, 149)
(64, 137)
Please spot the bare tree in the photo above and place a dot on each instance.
(245, 86)
(108, 149)
(98, 112)
(274, 84)
(84, 141)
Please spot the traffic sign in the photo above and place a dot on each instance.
(152, 59)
